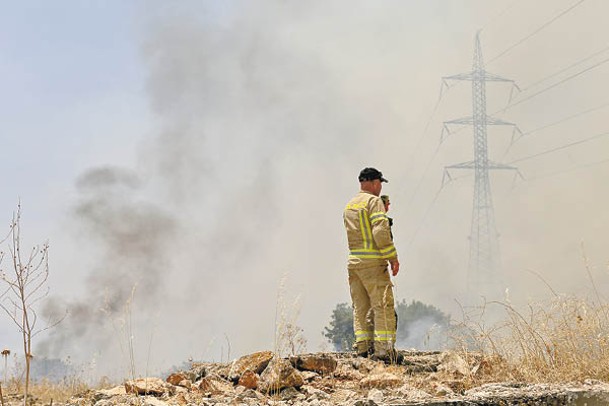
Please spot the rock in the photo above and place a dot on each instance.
(249, 379)
(314, 393)
(148, 386)
(384, 380)
(366, 365)
(255, 362)
(348, 372)
(249, 395)
(179, 379)
(343, 395)
(176, 378)
(150, 401)
(452, 363)
(441, 389)
(180, 399)
(215, 386)
(309, 375)
(375, 395)
(108, 393)
(320, 363)
(279, 374)
(410, 393)
(367, 402)
(290, 393)
(105, 402)
(201, 370)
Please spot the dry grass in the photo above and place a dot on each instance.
(289, 337)
(46, 391)
(563, 339)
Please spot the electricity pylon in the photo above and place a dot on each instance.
(484, 261)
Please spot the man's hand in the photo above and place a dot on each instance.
(395, 266)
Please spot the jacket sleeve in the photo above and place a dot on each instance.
(381, 232)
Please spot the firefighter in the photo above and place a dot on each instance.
(370, 249)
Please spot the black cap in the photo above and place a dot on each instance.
(371, 174)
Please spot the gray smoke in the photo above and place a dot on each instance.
(131, 240)
(264, 114)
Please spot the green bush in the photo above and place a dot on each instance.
(415, 321)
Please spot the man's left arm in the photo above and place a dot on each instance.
(381, 232)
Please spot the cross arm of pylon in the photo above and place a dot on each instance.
(459, 121)
(489, 165)
(470, 121)
(497, 121)
(479, 75)
(500, 166)
(462, 165)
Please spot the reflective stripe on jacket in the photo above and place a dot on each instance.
(368, 232)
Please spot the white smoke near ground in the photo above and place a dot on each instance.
(425, 334)
(264, 114)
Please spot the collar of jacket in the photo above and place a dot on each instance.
(363, 191)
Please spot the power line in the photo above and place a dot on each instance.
(509, 106)
(435, 108)
(544, 25)
(581, 113)
(424, 217)
(560, 148)
(575, 168)
(416, 189)
(580, 61)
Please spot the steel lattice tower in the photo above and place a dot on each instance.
(483, 270)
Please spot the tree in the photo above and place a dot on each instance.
(417, 323)
(25, 288)
(340, 330)
(415, 319)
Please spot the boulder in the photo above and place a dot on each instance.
(320, 363)
(279, 374)
(314, 393)
(215, 386)
(148, 386)
(176, 378)
(453, 364)
(409, 392)
(346, 371)
(200, 370)
(255, 362)
(291, 394)
(151, 401)
(249, 379)
(381, 381)
(441, 389)
(309, 375)
(250, 395)
(375, 395)
(109, 393)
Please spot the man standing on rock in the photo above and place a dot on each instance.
(370, 248)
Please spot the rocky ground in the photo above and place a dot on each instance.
(422, 378)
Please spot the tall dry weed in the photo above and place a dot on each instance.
(563, 339)
(289, 337)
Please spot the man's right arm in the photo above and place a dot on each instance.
(395, 266)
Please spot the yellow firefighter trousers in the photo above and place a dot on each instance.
(374, 319)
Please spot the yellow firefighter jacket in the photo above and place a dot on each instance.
(368, 232)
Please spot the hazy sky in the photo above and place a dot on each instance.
(202, 152)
